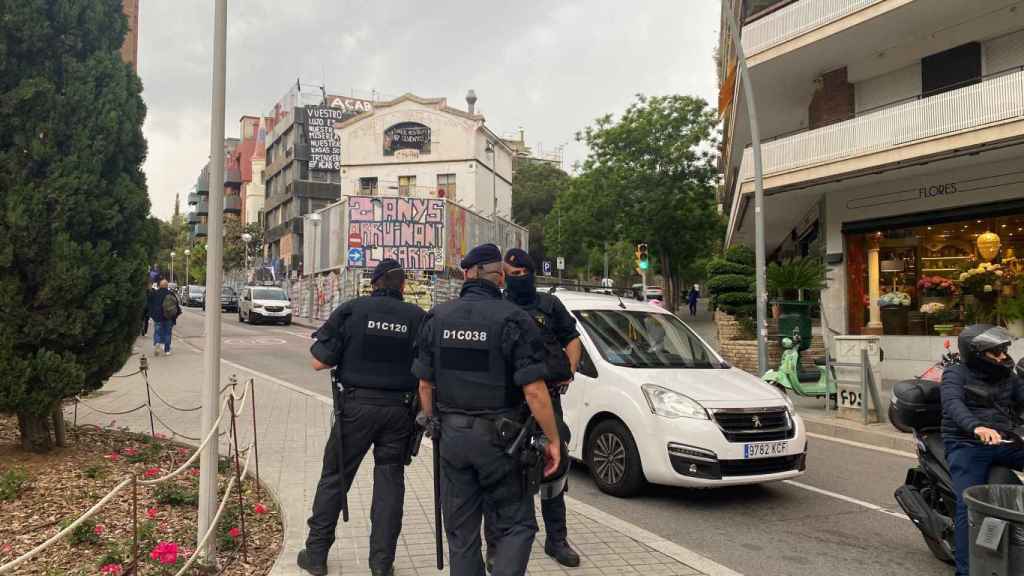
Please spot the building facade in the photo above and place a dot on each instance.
(199, 199)
(421, 147)
(250, 156)
(301, 172)
(892, 138)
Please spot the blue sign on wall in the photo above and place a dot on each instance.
(355, 256)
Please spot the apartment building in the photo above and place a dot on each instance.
(892, 139)
(199, 199)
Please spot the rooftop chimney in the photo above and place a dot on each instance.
(471, 101)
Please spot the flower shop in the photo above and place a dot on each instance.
(934, 279)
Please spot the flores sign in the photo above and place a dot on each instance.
(407, 136)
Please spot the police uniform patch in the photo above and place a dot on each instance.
(465, 346)
(386, 339)
(540, 319)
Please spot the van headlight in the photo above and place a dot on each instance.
(669, 404)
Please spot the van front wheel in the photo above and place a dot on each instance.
(613, 459)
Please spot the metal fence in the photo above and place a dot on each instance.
(796, 19)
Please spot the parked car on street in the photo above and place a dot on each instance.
(193, 296)
(264, 303)
(652, 402)
(228, 300)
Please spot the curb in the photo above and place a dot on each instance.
(888, 439)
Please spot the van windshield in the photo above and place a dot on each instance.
(645, 340)
(269, 294)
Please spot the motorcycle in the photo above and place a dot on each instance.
(927, 495)
(789, 376)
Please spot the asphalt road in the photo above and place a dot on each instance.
(781, 529)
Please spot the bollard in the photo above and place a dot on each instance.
(144, 368)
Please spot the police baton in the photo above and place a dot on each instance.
(339, 409)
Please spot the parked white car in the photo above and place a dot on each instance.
(264, 304)
(653, 402)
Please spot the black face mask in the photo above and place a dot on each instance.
(991, 369)
(521, 289)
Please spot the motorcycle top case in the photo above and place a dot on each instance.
(916, 405)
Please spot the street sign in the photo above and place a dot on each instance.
(355, 256)
(547, 267)
(355, 240)
(561, 263)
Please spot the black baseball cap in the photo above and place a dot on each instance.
(482, 254)
(386, 265)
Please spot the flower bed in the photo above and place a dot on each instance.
(50, 491)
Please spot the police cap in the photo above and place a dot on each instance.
(386, 265)
(519, 258)
(482, 254)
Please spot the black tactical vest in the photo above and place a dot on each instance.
(380, 332)
(471, 372)
(556, 363)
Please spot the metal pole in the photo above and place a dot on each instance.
(759, 242)
(214, 278)
(605, 259)
(255, 442)
(643, 287)
(494, 195)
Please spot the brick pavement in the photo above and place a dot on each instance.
(293, 425)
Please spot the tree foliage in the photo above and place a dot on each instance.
(535, 187)
(650, 177)
(73, 205)
(731, 281)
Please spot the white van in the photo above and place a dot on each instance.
(653, 402)
(264, 304)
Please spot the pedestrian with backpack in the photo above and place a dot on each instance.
(164, 310)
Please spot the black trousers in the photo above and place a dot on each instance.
(387, 429)
(477, 475)
(552, 509)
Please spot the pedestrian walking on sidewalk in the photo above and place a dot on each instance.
(692, 299)
(369, 342)
(164, 310)
(145, 309)
(562, 354)
(480, 358)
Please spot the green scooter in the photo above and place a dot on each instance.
(790, 377)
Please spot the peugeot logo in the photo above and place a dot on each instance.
(756, 421)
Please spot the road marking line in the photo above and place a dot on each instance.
(855, 444)
(845, 498)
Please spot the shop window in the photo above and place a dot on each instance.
(406, 185)
(446, 186)
(368, 186)
(952, 69)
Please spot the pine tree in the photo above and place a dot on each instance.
(73, 206)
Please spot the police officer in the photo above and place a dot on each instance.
(369, 341)
(562, 355)
(485, 357)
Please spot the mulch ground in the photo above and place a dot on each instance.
(40, 494)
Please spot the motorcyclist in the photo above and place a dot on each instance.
(978, 402)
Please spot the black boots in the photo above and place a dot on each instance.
(317, 566)
(562, 553)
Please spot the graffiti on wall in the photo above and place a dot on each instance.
(410, 230)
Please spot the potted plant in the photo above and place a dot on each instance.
(981, 287)
(938, 317)
(1011, 310)
(936, 289)
(894, 307)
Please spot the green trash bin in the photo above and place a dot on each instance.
(789, 321)
(996, 517)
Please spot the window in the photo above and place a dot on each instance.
(406, 185)
(645, 340)
(952, 69)
(367, 186)
(446, 186)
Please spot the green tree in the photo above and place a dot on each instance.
(650, 177)
(73, 206)
(535, 187)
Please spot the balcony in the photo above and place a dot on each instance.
(233, 204)
(796, 20)
(194, 198)
(203, 206)
(192, 218)
(199, 231)
(992, 102)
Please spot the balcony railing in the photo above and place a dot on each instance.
(203, 206)
(795, 20)
(232, 204)
(193, 199)
(995, 100)
(199, 230)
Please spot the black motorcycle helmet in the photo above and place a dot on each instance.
(977, 339)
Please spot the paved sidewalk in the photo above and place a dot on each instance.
(293, 426)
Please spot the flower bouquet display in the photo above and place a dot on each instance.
(936, 287)
(895, 306)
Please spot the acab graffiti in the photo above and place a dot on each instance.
(410, 230)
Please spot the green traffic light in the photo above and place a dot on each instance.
(643, 265)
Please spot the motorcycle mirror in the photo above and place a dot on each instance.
(946, 344)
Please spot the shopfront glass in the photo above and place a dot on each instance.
(935, 279)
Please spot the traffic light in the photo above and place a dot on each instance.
(642, 260)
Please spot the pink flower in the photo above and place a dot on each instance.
(6, 549)
(113, 456)
(98, 530)
(115, 569)
(152, 472)
(259, 508)
(194, 471)
(151, 513)
(184, 451)
(234, 532)
(165, 553)
(130, 452)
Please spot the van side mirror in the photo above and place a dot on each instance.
(586, 365)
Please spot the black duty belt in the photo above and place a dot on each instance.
(498, 427)
(379, 397)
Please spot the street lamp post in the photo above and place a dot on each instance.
(314, 219)
(172, 266)
(187, 267)
(246, 238)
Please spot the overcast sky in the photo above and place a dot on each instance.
(548, 66)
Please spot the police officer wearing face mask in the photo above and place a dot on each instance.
(482, 356)
(562, 355)
(979, 399)
(369, 341)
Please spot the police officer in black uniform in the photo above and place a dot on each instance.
(485, 356)
(562, 355)
(369, 341)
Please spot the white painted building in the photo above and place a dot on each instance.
(421, 147)
(893, 137)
